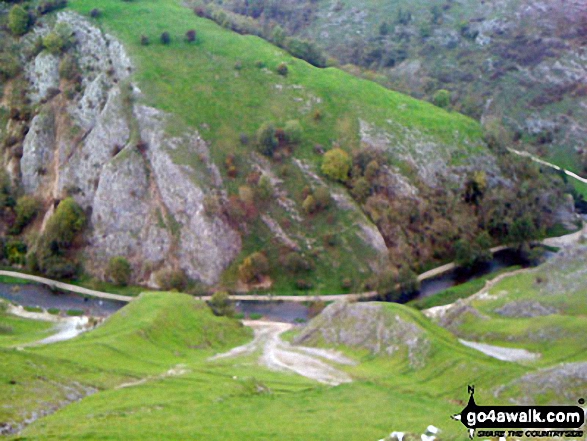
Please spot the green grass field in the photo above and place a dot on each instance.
(159, 345)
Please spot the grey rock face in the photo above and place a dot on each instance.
(43, 74)
(145, 204)
(82, 165)
(205, 246)
(38, 148)
(526, 308)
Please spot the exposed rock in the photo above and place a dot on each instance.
(205, 246)
(525, 308)
(565, 382)
(368, 326)
(38, 148)
(43, 74)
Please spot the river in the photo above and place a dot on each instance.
(37, 295)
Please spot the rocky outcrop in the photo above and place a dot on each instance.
(121, 165)
(368, 326)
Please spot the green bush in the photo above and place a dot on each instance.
(54, 43)
(322, 196)
(220, 304)
(119, 270)
(253, 268)
(18, 20)
(68, 220)
(309, 205)
(441, 98)
(336, 165)
(165, 38)
(58, 267)
(170, 279)
(9, 66)
(282, 69)
(293, 132)
(266, 139)
(15, 251)
(27, 208)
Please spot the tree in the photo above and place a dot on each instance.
(190, 36)
(169, 279)
(18, 20)
(27, 208)
(54, 43)
(322, 196)
(337, 165)
(522, 231)
(253, 267)
(66, 222)
(278, 36)
(220, 304)
(119, 270)
(309, 205)
(266, 139)
(293, 132)
(441, 98)
(282, 69)
(165, 38)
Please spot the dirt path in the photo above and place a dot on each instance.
(66, 286)
(279, 355)
(502, 353)
(66, 328)
(548, 164)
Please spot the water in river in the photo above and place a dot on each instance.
(290, 312)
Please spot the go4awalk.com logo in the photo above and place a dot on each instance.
(519, 421)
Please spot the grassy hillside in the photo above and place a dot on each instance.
(157, 349)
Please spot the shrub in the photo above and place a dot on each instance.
(65, 223)
(15, 251)
(58, 267)
(322, 196)
(165, 38)
(293, 132)
(336, 165)
(253, 268)
(27, 208)
(260, 64)
(190, 36)
(54, 43)
(95, 13)
(361, 189)
(9, 67)
(309, 205)
(220, 304)
(265, 188)
(119, 270)
(266, 139)
(169, 279)
(282, 69)
(441, 98)
(145, 40)
(295, 263)
(18, 20)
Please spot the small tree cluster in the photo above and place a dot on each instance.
(26, 209)
(19, 20)
(171, 280)
(220, 304)
(337, 165)
(118, 271)
(253, 268)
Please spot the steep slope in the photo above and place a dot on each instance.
(158, 144)
(520, 63)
